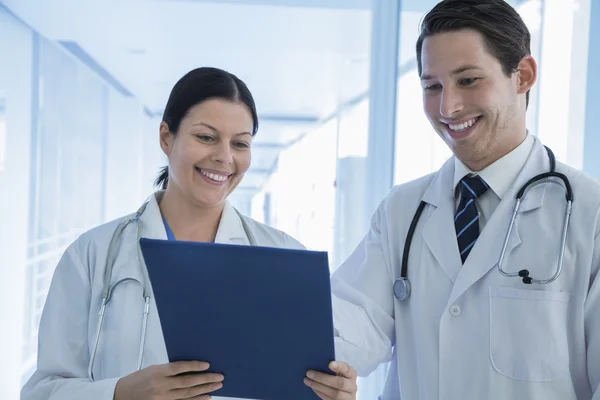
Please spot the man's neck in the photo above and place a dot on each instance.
(502, 149)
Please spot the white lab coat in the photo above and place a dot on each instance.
(467, 332)
(68, 323)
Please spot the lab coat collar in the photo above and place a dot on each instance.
(441, 187)
(230, 230)
(151, 223)
(439, 232)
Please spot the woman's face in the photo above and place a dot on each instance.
(211, 152)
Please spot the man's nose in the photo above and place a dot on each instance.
(451, 102)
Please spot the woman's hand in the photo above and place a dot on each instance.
(166, 382)
(341, 386)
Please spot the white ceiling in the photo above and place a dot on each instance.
(300, 58)
(292, 58)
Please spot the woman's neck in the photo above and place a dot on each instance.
(187, 220)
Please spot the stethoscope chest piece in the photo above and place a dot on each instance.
(402, 288)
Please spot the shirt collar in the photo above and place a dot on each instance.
(501, 174)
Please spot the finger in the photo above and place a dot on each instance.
(337, 382)
(181, 367)
(201, 397)
(322, 396)
(195, 391)
(327, 392)
(189, 381)
(342, 368)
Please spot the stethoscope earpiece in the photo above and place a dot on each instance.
(524, 273)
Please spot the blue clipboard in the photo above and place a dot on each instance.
(261, 316)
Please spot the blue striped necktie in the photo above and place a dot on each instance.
(466, 220)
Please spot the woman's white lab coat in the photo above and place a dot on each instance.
(70, 316)
(467, 332)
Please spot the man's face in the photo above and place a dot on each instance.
(473, 105)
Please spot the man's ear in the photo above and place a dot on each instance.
(526, 74)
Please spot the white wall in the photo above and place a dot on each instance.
(124, 190)
(15, 84)
(152, 156)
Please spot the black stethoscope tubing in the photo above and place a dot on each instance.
(402, 287)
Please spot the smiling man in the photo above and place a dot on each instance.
(464, 306)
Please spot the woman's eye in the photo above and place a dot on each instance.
(205, 138)
(242, 145)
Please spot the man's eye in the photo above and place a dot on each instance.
(468, 81)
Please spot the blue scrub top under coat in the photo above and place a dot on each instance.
(170, 235)
(169, 231)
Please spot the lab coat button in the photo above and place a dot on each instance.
(455, 310)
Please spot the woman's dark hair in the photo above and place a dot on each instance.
(193, 88)
(505, 35)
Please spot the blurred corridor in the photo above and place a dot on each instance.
(83, 85)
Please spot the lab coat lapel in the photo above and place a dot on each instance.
(486, 252)
(231, 230)
(439, 233)
(151, 223)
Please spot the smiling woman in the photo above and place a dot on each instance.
(206, 133)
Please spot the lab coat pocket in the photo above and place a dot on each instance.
(528, 333)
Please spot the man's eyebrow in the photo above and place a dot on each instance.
(457, 71)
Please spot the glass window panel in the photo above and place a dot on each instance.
(56, 113)
(28, 344)
(3, 133)
(89, 125)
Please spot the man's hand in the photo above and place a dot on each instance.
(341, 386)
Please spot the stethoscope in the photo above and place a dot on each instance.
(402, 286)
(108, 289)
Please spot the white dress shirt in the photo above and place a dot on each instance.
(500, 176)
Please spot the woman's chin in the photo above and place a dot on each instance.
(204, 202)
